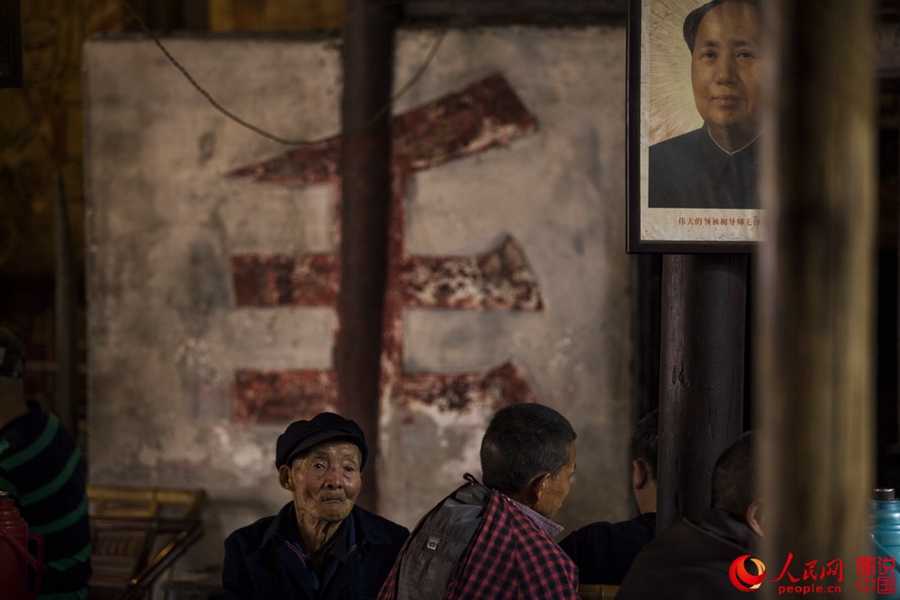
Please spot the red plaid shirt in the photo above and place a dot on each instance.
(509, 558)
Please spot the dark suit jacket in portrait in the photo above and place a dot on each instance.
(692, 171)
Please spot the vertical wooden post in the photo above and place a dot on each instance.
(368, 53)
(66, 337)
(816, 280)
(647, 282)
(701, 379)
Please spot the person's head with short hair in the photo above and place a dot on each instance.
(734, 485)
(12, 355)
(12, 370)
(723, 37)
(320, 462)
(644, 454)
(528, 453)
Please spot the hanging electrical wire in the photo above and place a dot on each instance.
(259, 131)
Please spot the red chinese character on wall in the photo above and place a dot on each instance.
(483, 115)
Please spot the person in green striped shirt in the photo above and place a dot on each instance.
(42, 469)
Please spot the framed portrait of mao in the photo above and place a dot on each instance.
(694, 78)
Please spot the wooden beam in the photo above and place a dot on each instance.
(368, 53)
(508, 10)
(701, 380)
(815, 361)
(65, 302)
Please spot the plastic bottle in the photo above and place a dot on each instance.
(884, 527)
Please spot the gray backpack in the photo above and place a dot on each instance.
(435, 549)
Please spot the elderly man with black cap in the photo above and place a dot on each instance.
(320, 546)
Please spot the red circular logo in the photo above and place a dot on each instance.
(741, 578)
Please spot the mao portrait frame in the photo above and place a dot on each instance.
(655, 72)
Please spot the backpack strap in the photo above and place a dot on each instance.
(433, 554)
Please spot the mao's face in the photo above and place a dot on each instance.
(725, 72)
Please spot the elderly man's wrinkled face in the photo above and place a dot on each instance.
(725, 72)
(556, 488)
(325, 481)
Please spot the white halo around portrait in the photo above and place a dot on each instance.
(671, 108)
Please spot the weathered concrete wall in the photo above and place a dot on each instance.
(166, 334)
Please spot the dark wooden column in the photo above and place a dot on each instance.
(368, 58)
(65, 313)
(701, 379)
(816, 281)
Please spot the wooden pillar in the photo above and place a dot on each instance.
(647, 282)
(701, 379)
(65, 312)
(368, 52)
(816, 281)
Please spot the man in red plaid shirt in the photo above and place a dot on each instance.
(507, 552)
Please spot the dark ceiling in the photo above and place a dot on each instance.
(552, 11)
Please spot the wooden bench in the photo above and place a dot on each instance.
(593, 591)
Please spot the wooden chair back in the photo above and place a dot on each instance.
(136, 535)
(594, 591)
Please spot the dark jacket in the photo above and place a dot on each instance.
(690, 560)
(260, 563)
(691, 171)
(603, 552)
(42, 469)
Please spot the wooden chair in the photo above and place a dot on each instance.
(594, 591)
(136, 535)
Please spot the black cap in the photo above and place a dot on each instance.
(303, 435)
(11, 353)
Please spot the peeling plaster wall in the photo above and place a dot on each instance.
(560, 193)
(165, 335)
